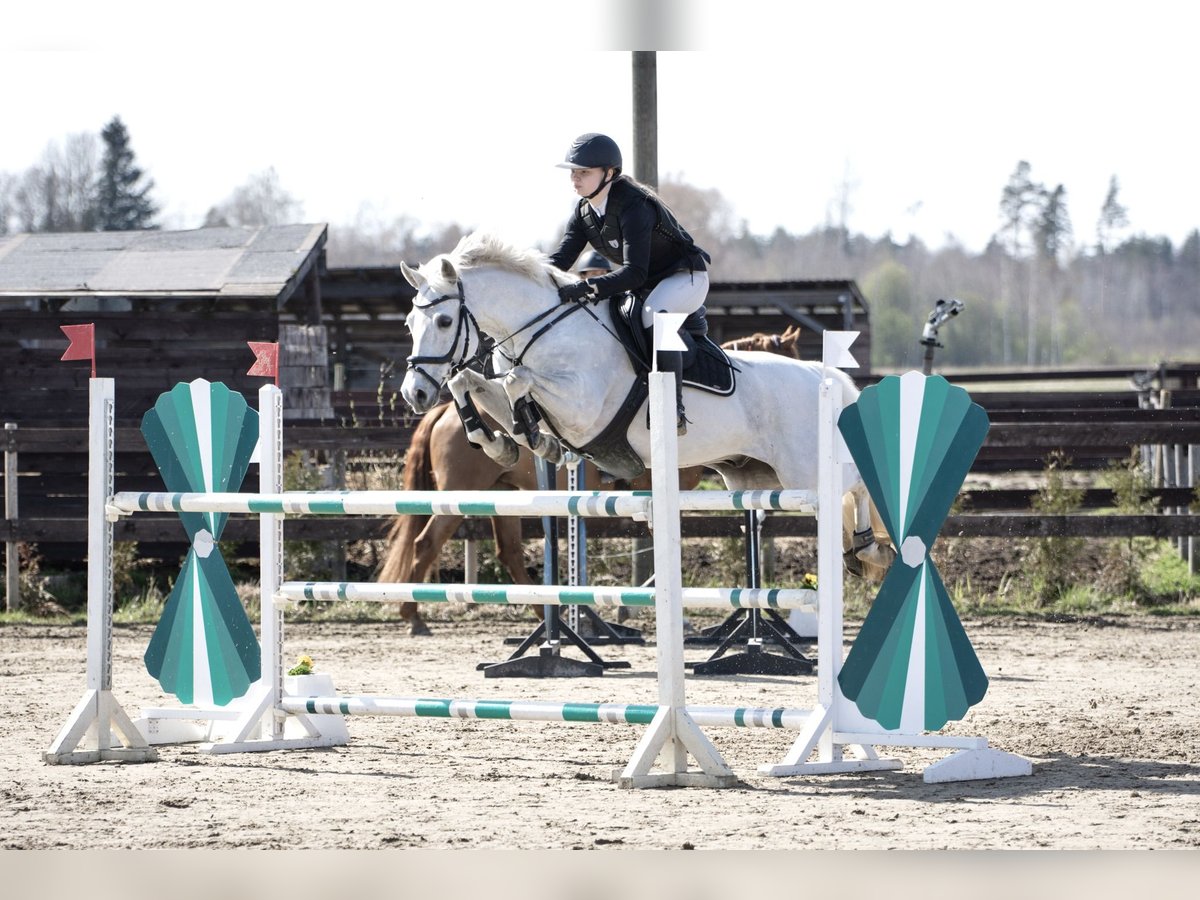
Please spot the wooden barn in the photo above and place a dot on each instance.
(167, 307)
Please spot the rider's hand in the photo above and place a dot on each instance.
(580, 290)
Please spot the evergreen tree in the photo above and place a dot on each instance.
(122, 201)
(1113, 217)
(1051, 240)
(1052, 232)
(1019, 202)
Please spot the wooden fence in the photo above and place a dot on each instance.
(45, 471)
(50, 481)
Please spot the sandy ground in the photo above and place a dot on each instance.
(1105, 709)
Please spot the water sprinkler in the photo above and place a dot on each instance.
(943, 310)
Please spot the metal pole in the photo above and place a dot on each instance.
(546, 478)
(645, 170)
(576, 540)
(645, 117)
(12, 565)
(1191, 482)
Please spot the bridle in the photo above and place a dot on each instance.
(457, 360)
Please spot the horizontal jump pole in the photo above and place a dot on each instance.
(545, 711)
(542, 595)
(626, 504)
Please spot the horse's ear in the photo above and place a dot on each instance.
(412, 276)
(448, 271)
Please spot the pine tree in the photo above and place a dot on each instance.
(1052, 231)
(1113, 217)
(122, 201)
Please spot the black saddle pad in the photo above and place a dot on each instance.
(705, 365)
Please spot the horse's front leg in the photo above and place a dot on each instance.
(470, 388)
(518, 388)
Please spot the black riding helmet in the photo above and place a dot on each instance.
(594, 151)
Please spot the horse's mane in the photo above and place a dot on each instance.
(483, 249)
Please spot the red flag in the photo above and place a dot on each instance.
(83, 343)
(266, 360)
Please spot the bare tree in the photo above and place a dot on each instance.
(262, 200)
(7, 187)
(58, 193)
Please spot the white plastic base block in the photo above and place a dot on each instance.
(235, 728)
(803, 623)
(974, 765)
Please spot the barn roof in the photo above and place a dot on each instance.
(268, 261)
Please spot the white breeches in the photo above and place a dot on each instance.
(683, 292)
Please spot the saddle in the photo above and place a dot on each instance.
(705, 366)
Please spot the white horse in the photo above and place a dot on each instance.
(763, 436)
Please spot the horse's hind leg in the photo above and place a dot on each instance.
(866, 546)
(427, 548)
(509, 548)
(510, 551)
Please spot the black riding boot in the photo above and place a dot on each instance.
(669, 361)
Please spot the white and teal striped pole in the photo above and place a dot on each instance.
(534, 594)
(619, 504)
(784, 718)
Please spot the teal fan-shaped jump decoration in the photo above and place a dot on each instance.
(204, 650)
(914, 439)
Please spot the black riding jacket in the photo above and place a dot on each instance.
(638, 233)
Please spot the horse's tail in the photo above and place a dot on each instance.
(418, 476)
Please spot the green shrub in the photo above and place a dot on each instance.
(1051, 561)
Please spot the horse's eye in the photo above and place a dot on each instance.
(444, 321)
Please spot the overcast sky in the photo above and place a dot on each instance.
(456, 111)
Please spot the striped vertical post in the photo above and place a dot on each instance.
(270, 480)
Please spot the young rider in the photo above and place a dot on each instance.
(626, 222)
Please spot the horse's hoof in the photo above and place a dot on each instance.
(853, 564)
(508, 455)
(417, 628)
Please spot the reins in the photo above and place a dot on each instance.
(486, 344)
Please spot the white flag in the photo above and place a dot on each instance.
(835, 349)
(666, 331)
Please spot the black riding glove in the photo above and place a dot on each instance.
(580, 290)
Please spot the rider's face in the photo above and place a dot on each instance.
(585, 181)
